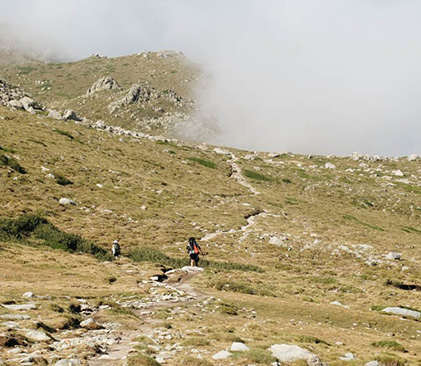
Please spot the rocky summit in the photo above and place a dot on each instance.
(306, 259)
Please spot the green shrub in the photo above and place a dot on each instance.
(203, 162)
(142, 360)
(11, 163)
(63, 181)
(390, 345)
(256, 176)
(286, 180)
(155, 256)
(311, 339)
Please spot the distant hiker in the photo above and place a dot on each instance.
(115, 249)
(194, 249)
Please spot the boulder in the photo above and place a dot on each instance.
(413, 157)
(330, 166)
(54, 114)
(373, 363)
(402, 311)
(36, 335)
(70, 115)
(394, 256)
(27, 103)
(15, 104)
(398, 173)
(90, 324)
(222, 355)
(239, 347)
(67, 201)
(288, 353)
(28, 295)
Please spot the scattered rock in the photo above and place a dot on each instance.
(413, 157)
(104, 83)
(403, 312)
(315, 361)
(348, 357)
(67, 201)
(337, 303)
(398, 173)
(330, 166)
(28, 295)
(222, 355)
(239, 346)
(394, 256)
(14, 97)
(285, 352)
(14, 317)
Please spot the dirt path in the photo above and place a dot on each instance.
(178, 283)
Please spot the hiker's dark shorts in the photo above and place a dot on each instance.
(195, 257)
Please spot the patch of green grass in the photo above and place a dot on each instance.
(228, 309)
(194, 361)
(377, 307)
(293, 201)
(204, 162)
(324, 280)
(352, 218)
(256, 176)
(25, 70)
(196, 342)
(28, 227)
(38, 142)
(389, 360)
(11, 163)
(390, 345)
(6, 149)
(286, 180)
(241, 287)
(410, 229)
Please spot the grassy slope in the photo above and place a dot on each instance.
(184, 198)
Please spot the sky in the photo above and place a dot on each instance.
(320, 77)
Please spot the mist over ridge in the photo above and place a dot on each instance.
(327, 78)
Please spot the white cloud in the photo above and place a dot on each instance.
(325, 76)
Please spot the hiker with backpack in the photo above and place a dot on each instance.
(115, 249)
(194, 250)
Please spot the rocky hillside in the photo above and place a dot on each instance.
(151, 91)
(311, 260)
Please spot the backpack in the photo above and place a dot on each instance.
(192, 248)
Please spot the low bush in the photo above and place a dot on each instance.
(63, 181)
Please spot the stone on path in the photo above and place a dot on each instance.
(222, 355)
(285, 352)
(68, 362)
(239, 346)
(402, 311)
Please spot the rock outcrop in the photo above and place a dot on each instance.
(104, 83)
